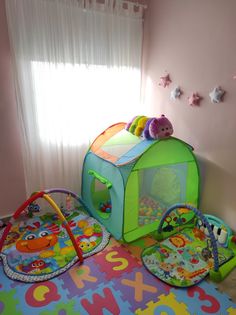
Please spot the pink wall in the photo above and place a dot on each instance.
(12, 188)
(195, 42)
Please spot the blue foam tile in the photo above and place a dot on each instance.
(34, 298)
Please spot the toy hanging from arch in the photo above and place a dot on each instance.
(43, 247)
(185, 256)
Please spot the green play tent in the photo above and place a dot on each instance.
(137, 180)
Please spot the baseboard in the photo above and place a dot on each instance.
(5, 218)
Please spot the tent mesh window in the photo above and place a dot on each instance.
(101, 198)
(159, 188)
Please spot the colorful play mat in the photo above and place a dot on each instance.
(111, 282)
(38, 247)
(185, 257)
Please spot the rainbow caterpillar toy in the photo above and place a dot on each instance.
(150, 128)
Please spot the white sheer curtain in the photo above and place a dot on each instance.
(77, 66)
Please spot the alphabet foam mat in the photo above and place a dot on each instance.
(113, 281)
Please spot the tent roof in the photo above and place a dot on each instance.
(119, 146)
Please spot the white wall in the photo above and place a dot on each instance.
(195, 42)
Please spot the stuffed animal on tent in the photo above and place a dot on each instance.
(150, 128)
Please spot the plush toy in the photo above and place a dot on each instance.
(136, 125)
(150, 128)
(146, 133)
(194, 99)
(165, 80)
(160, 128)
(176, 93)
(217, 95)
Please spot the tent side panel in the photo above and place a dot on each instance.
(193, 184)
(165, 174)
(163, 152)
(131, 203)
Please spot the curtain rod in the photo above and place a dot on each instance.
(135, 4)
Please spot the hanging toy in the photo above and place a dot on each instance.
(194, 99)
(206, 252)
(68, 202)
(32, 208)
(176, 93)
(217, 94)
(165, 81)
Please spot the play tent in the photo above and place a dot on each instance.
(138, 178)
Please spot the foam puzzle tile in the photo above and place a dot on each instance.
(131, 289)
(34, 298)
(9, 303)
(135, 248)
(231, 311)
(204, 299)
(167, 304)
(6, 284)
(115, 262)
(112, 243)
(79, 278)
(139, 287)
(62, 309)
(105, 300)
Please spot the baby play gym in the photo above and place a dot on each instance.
(140, 185)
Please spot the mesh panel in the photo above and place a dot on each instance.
(159, 188)
(101, 199)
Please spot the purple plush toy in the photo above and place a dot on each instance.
(155, 128)
(160, 128)
(146, 133)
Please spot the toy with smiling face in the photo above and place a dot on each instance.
(160, 128)
(150, 128)
(35, 266)
(179, 240)
(36, 239)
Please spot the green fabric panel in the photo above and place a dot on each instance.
(131, 203)
(165, 151)
(192, 187)
(123, 137)
(139, 232)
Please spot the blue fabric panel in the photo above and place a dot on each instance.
(114, 223)
(136, 151)
(125, 171)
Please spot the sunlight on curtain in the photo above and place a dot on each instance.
(76, 102)
(78, 71)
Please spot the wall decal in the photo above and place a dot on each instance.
(194, 99)
(175, 93)
(165, 81)
(217, 94)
